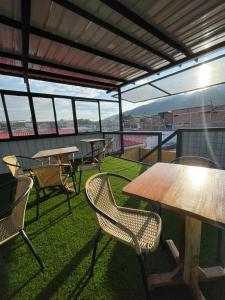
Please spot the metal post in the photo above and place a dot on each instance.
(121, 119)
(74, 115)
(99, 114)
(33, 117)
(56, 123)
(6, 116)
(159, 146)
(179, 144)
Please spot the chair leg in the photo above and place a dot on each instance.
(144, 275)
(44, 192)
(80, 182)
(219, 243)
(74, 183)
(68, 199)
(97, 238)
(30, 246)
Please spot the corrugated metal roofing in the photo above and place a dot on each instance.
(109, 42)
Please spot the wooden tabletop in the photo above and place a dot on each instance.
(55, 152)
(92, 140)
(193, 191)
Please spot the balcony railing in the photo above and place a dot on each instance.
(150, 147)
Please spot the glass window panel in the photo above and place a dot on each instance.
(109, 116)
(47, 87)
(44, 115)
(64, 115)
(4, 134)
(12, 83)
(18, 109)
(87, 116)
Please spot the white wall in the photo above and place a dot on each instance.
(31, 146)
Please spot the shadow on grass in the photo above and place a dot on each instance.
(68, 269)
(24, 285)
(82, 283)
(44, 212)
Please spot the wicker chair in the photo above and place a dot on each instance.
(51, 176)
(68, 167)
(12, 218)
(195, 161)
(15, 167)
(87, 164)
(137, 228)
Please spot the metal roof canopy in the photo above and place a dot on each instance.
(203, 75)
(105, 44)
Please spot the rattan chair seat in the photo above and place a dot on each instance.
(137, 228)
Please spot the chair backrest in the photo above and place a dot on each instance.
(100, 197)
(13, 221)
(13, 165)
(48, 175)
(195, 161)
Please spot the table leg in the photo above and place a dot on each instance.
(92, 152)
(193, 228)
(187, 270)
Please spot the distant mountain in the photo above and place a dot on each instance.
(213, 95)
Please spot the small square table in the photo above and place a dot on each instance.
(197, 194)
(58, 152)
(92, 143)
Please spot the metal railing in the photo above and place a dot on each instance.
(124, 140)
(205, 142)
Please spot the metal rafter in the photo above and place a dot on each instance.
(59, 39)
(136, 19)
(45, 63)
(39, 74)
(92, 18)
(25, 17)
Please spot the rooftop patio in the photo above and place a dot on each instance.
(109, 46)
(65, 243)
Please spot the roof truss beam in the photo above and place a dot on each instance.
(92, 18)
(30, 72)
(59, 39)
(25, 17)
(60, 67)
(136, 19)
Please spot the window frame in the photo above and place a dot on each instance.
(30, 96)
(98, 111)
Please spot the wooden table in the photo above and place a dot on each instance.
(92, 143)
(198, 194)
(58, 153)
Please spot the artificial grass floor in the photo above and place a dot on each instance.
(65, 241)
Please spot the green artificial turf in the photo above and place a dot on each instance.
(64, 241)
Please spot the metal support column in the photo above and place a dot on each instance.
(120, 119)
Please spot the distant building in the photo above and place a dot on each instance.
(194, 117)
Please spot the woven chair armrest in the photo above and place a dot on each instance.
(14, 165)
(131, 235)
